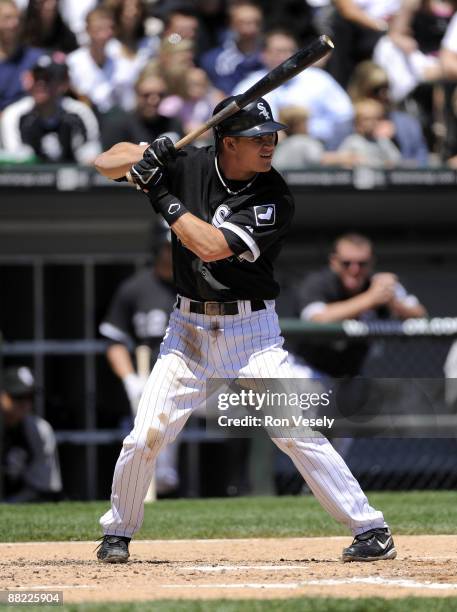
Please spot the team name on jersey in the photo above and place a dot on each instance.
(221, 214)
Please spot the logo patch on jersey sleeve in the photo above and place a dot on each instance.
(265, 214)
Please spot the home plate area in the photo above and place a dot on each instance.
(249, 568)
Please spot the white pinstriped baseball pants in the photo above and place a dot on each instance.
(195, 348)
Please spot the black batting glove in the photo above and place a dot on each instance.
(161, 152)
(145, 175)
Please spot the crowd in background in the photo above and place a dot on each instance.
(76, 76)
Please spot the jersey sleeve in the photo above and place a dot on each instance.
(253, 229)
(117, 326)
(312, 296)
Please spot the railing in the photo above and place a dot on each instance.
(416, 347)
(72, 177)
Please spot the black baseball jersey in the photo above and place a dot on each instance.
(253, 221)
(340, 358)
(139, 311)
(71, 134)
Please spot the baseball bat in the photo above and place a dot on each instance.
(296, 63)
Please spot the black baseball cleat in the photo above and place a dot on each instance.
(113, 549)
(373, 545)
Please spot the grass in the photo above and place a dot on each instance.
(299, 604)
(408, 513)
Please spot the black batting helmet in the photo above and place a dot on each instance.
(254, 119)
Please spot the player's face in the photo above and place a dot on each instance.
(255, 153)
(353, 264)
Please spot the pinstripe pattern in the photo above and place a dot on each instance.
(196, 348)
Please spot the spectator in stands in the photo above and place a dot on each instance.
(299, 150)
(45, 28)
(104, 79)
(30, 468)
(145, 123)
(74, 13)
(47, 123)
(228, 64)
(15, 57)
(357, 26)
(182, 19)
(175, 59)
(409, 52)
(131, 42)
(370, 143)
(212, 24)
(138, 315)
(329, 106)
(348, 288)
(294, 16)
(195, 104)
(370, 81)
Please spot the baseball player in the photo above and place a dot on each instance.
(229, 212)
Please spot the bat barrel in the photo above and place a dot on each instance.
(305, 57)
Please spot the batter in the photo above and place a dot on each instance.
(229, 211)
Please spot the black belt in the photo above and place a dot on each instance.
(220, 308)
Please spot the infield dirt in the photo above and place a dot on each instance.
(249, 568)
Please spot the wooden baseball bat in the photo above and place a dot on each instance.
(305, 57)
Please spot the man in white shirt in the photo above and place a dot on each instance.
(101, 76)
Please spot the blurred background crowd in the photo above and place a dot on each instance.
(76, 76)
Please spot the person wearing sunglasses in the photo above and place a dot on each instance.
(145, 122)
(349, 288)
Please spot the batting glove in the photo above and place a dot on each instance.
(161, 152)
(145, 175)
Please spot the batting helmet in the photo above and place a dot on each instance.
(254, 119)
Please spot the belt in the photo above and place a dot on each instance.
(219, 308)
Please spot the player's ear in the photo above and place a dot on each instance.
(230, 142)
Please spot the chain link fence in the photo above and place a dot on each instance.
(415, 350)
